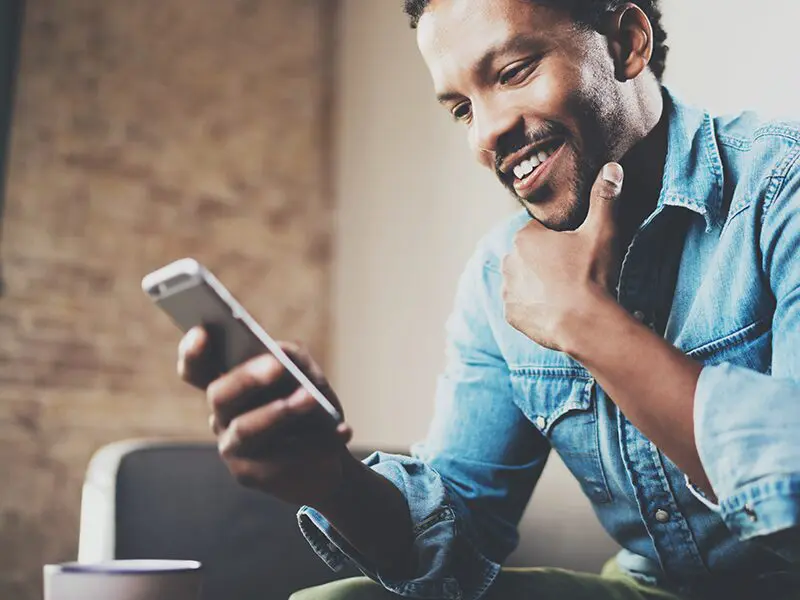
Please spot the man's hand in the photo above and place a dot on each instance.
(550, 276)
(271, 433)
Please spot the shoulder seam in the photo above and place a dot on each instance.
(778, 179)
(785, 131)
(735, 142)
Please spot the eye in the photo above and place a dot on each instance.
(461, 111)
(517, 73)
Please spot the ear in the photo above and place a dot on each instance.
(630, 40)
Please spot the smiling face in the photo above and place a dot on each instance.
(537, 94)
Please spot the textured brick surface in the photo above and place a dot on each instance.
(145, 132)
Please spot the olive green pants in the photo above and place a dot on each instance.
(515, 584)
(549, 584)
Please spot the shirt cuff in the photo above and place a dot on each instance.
(746, 430)
(764, 507)
(447, 565)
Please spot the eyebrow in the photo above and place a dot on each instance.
(517, 43)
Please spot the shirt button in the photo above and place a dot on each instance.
(639, 316)
(662, 516)
(751, 513)
(541, 422)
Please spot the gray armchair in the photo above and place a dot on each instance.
(146, 499)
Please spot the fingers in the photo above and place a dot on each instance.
(605, 193)
(344, 433)
(300, 356)
(279, 427)
(214, 425)
(254, 383)
(195, 361)
(261, 425)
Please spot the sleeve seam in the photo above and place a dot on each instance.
(761, 490)
(778, 181)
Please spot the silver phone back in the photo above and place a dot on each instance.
(200, 305)
(192, 296)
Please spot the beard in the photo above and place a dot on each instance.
(589, 148)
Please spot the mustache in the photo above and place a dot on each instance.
(517, 139)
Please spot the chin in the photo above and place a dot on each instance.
(559, 214)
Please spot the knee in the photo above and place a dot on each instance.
(357, 588)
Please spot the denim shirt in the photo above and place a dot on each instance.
(713, 270)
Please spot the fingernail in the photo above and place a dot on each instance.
(299, 399)
(262, 367)
(225, 441)
(613, 173)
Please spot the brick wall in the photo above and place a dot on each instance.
(144, 132)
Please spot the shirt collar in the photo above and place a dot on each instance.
(693, 175)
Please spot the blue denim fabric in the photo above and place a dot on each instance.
(712, 269)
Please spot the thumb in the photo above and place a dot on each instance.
(605, 194)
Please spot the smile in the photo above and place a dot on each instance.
(532, 162)
(529, 170)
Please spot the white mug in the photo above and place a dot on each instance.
(124, 580)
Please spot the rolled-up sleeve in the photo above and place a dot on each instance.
(469, 482)
(747, 424)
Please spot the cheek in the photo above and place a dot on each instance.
(550, 93)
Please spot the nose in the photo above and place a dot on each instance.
(490, 124)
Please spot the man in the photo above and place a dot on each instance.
(641, 317)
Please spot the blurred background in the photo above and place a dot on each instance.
(294, 146)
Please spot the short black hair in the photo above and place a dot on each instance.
(588, 13)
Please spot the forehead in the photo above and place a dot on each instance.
(454, 35)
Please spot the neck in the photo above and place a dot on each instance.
(644, 172)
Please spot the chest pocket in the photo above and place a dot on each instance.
(749, 347)
(559, 403)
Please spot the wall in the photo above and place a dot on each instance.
(144, 132)
(413, 204)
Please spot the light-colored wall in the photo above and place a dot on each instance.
(412, 204)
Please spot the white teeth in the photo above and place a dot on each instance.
(526, 167)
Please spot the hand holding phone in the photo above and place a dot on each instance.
(193, 297)
(278, 423)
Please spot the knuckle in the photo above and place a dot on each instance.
(249, 475)
(236, 430)
(225, 450)
(214, 395)
(190, 352)
(302, 398)
(263, 370)
(189, 348)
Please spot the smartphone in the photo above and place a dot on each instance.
(192, 296)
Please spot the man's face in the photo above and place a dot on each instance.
(537, 95)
